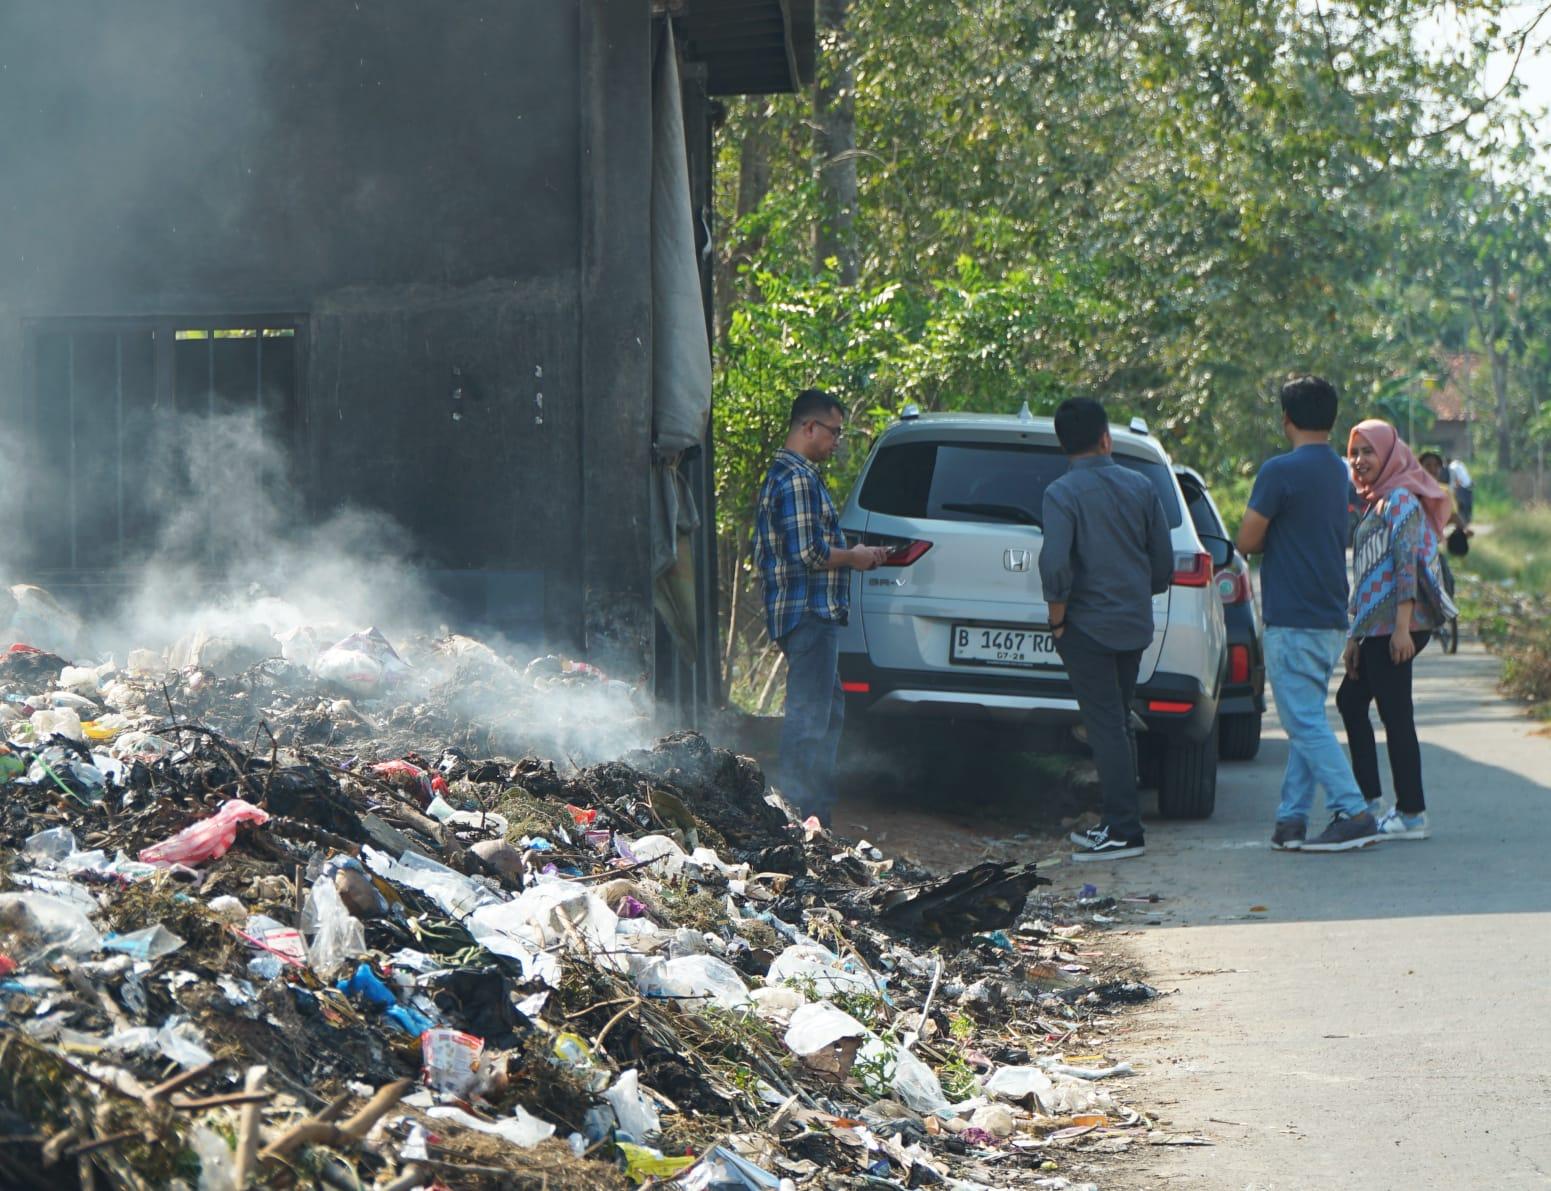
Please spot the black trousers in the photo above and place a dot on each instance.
(1104, 681)
(1380, 680)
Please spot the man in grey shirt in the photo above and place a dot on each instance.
(1106, 553)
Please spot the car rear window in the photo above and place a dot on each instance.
(921, 479)
(1201, 514)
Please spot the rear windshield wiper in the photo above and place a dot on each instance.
(1000, 512)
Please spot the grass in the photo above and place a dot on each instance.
(1517, 550)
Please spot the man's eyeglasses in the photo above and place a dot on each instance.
(837, 431)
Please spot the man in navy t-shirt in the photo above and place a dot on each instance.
(1297, 516)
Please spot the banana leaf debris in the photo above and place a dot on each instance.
(287, 921)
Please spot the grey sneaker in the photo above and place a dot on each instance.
(1345, 833)
(1397, 826)
(1289, 835)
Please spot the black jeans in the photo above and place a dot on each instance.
(1380, 679)
(1104, 681)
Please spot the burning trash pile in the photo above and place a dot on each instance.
(249, 936)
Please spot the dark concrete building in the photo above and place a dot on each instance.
(413, 238)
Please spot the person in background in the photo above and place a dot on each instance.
(1297, 518)
(1433, 464)
(1106, 553)
(805, 576)
(1396, 603)
(1464, 490)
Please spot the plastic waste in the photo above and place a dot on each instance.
(140, 745)
(662, 853)
(818, 1026)
(803, 962)
(722, 1169)
(546, 914)
(180, 1040)
(32, 923)
(451, 890)
(637, 1114)
(85, 680)
(216, 1164)
(61, 700)
(57, 721)
(334, 934)
(995, 1119)
(11, 766)
(363, 663)
(207, 839)
(695, 977)
(1019, 1083)
(915, 1083)
(63, 769)
(150, 943)
(643, 1162)
(266, 966)
(283, 942)
(367, 985)
(54, 844)
(777, 1005)
(522, 1129)
(451, 1060)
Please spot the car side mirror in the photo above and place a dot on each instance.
(1221, 549)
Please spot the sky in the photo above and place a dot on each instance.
(1534, 69)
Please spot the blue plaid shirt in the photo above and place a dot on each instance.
(795, 528)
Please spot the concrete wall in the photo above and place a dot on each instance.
(433, 187)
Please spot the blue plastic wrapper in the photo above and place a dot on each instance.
(366, 984)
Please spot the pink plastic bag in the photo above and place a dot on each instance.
(207, 839)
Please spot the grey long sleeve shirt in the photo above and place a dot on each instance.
(1106, 551)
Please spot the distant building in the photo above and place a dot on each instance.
(1449, 403)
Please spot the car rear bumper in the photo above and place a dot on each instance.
(1174, 704)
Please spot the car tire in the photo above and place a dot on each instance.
(1238, 736)
(1187, 785)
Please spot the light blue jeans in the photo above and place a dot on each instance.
(1299, 663)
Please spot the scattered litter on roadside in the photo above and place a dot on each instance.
(313, 917)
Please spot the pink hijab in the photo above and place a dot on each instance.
(1398, 469)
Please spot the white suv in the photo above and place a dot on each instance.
(955, 626)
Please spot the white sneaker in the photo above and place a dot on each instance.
(1394, 825)
(1376, 809)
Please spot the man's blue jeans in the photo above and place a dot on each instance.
(815, 713)
(1299, 663)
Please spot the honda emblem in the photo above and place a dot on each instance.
(1016, 561)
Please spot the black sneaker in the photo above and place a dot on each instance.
(1345, 833)
(1098, 844)
(1288, 836)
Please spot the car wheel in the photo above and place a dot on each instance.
(1187, 786)
(1239, 737)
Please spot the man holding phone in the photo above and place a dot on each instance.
(805, 575)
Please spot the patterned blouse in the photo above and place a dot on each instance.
(1390, 552)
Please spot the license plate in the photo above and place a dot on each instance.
(983, 645)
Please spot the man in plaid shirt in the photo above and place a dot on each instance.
(805, 572)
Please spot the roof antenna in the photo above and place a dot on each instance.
(1024, 415)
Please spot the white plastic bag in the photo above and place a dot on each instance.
(1019, 1083)
(637, 1116)
(522, 1129)
(697, 977)
(36, 922)
(336, 937)
(802, 962)
(818, 1026)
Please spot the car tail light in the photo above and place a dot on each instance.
(1238, 664)
(903, 552)
(856, 688)
(1170, 706)
(1234, 586)
(1192, 570)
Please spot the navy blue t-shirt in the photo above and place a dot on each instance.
(1303, 577)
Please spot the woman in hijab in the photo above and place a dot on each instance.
(1396, 604)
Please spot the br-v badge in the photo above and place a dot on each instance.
(1016, 560)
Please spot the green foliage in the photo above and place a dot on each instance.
(1169, 204)
(875, 1072)
(1516, 550)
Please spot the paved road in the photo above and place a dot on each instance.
(1385, 1022)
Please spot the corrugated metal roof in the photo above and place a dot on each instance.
(750, 47)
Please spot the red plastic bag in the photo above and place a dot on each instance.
(584, 818)
(207, 839)
(18, 647)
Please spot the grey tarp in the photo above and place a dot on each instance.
(681, 353)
